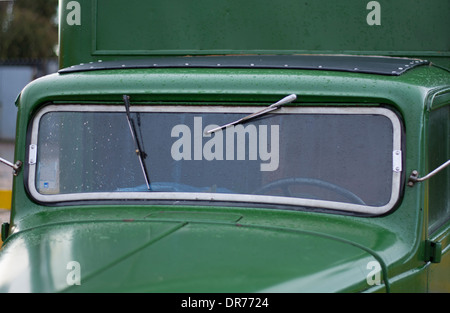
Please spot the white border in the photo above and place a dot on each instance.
(256, 199)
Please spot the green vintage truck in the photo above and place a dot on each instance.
(236, 146)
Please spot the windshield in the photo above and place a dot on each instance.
(334, 158)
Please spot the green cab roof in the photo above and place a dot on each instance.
(363, 79)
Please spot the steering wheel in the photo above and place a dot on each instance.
(286, 182)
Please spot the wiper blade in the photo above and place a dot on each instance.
(270, 108)
(139, 151)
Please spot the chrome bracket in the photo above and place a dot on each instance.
(414, 177)
(397, 161)
(32, 154)
(16, 166)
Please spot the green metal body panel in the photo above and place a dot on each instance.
(217, 248)
(195, 251)
(113, 29)
(205, 242)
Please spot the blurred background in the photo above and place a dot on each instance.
(28, 50)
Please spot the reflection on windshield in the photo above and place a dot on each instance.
(327, 156)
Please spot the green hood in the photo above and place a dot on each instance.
(167, 255)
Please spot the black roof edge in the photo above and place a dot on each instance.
(381, 65)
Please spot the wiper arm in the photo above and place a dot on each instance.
(268, 109)
(139, 151)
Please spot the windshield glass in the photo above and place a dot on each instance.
(336, 158)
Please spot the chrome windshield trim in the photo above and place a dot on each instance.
(236, 198)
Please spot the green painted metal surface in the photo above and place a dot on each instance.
(240, 248)
(187, 252)
(114, 29)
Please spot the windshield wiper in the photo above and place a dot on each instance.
(268, 109)
(139, 151)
